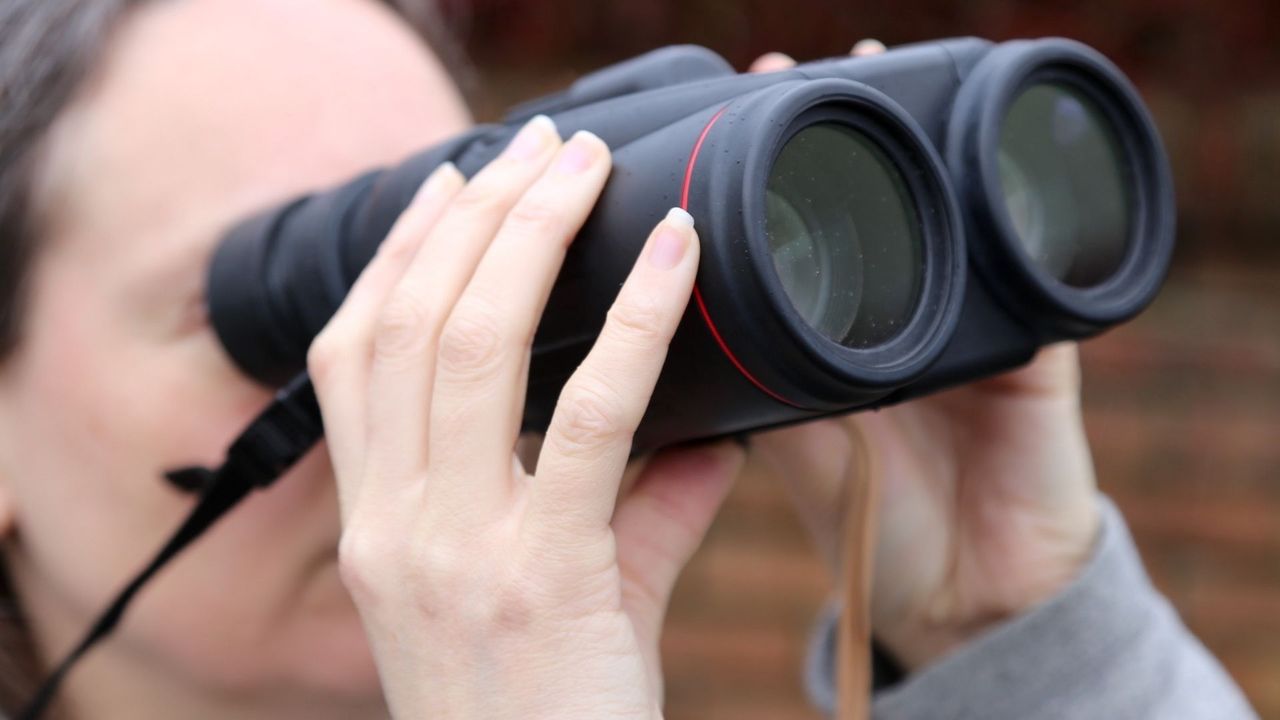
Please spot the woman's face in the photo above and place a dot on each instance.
(201, 112)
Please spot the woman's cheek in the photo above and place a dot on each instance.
(85, 487)
(247, 604)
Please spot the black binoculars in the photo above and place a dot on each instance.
(873, 228)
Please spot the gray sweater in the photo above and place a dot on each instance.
(1108, 646)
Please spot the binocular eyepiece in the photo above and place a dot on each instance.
(873, 228)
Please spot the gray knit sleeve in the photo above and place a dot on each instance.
(1108, 646)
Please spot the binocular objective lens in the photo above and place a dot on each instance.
(845, 235)
(1066, 184)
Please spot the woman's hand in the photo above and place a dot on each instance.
(987, 502)
(488, 592)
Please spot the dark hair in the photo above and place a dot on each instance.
(49, 47)
(47, 50)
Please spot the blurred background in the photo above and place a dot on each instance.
(1183, 405)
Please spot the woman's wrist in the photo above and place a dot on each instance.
(926, 636)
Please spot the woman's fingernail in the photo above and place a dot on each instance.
(772, 62)
(437, 180)
(679, 216)
(533, 138)
(578, 154)
(672, 240)
(869, 46)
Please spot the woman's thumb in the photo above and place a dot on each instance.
(664, 518)
(814, 462)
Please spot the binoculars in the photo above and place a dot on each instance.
(873, 229)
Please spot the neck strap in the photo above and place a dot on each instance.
(269, 446)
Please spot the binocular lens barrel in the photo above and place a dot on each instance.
(1066, 184)
(873, 229)
(844, 234)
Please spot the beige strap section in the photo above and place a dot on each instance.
(853, 659)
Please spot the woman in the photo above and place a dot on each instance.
(134, 132)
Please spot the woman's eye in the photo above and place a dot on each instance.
(194, 316)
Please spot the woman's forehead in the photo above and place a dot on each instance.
(203, 110)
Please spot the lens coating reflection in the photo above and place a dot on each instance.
(1063, 174)
(844, 234)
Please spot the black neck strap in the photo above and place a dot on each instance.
(268, 447)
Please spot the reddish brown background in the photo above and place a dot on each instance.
(1183, 405)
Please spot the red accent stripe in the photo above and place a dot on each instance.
(697, 292)
(693, 157)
